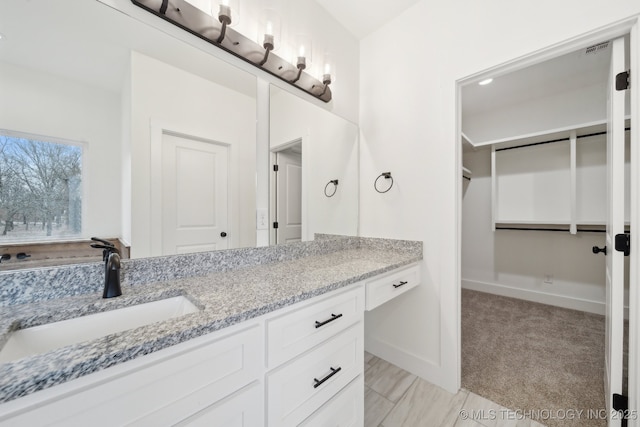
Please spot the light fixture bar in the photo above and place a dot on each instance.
(208, 28)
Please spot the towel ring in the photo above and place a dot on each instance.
(386, 175)
(335, 187)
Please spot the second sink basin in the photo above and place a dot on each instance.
(50, 336)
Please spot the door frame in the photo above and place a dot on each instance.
(159, 128)
(617, 29)
(304, 144)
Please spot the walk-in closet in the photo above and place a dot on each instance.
(537, 214)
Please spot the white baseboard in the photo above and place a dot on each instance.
(425, 369)
(564, 301)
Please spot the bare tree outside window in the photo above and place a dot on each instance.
(40, 189)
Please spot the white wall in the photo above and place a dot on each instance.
(408, 122)
(189, 104)
(330, 151)
(45, 104)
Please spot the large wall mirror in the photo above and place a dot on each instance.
(315, 188)
(161, 132)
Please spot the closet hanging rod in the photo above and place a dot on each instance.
(555, 140)
(565, 230)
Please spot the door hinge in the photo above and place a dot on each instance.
(620, 402)
(623, 243)
(622, 80)
(275, 168)
(275, 224)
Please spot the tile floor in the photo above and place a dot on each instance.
(396, 398)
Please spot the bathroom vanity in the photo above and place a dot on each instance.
(277, 338)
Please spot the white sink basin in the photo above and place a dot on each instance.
(43, 338)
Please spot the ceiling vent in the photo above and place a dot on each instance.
(591, 50)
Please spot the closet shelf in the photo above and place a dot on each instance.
(591, 227)
(554, 181)
(512, 222)
(581, 129)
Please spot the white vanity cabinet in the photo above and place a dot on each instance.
(164, 388)
(385, 287)
(314, 351)
(345, 409)
(300, 365)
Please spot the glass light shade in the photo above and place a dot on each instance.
(203, 5)
(302, 49)
(328, 68)
(270, 28)
(286, 52)
(229, 8)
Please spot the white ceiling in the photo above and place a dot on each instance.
(361, 17)
(566, 73)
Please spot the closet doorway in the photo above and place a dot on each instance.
(541, 314)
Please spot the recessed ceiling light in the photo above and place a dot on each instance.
(485, 82)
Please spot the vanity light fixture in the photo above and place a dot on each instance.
(303, 46)
(215, 29)
(226, 9)
(329, 72)
(270, 29)
(485, 82)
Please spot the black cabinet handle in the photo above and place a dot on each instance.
(318, 382)
(333, 317)
(400, 284)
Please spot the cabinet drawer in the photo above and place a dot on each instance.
(381, 289)
(346, 409)
(302, 386)
(243, 409)
(166, 390)
(295, 332)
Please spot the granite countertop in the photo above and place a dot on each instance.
(225, 298)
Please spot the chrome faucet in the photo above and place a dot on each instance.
(111, 258)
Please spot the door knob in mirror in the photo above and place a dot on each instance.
(223, 234)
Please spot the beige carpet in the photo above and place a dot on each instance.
(531, 356)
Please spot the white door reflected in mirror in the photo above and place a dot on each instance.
(194, 195)
(288, 194)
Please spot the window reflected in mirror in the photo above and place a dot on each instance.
(40, 188)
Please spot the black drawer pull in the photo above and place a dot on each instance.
(333, 372)
(333, 317)
(401, 284)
